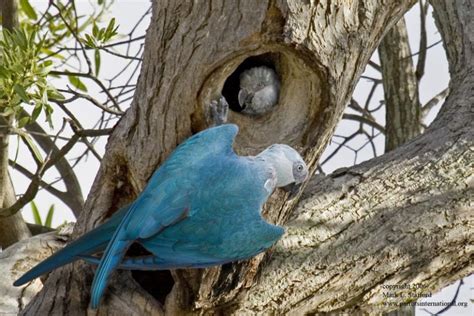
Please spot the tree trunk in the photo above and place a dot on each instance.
(402, 106)
(12, 228)
(362, 227)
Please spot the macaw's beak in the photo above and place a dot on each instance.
(292, 188)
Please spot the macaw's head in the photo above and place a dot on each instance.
(290, 168)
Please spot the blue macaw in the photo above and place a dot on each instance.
(200, 208)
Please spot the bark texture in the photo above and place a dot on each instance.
(402, 106)
(19, 258)
(361, 227)
(9, 10)
(12, 228)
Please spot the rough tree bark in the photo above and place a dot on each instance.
(399, 218)
(19, 258)
(402, 106)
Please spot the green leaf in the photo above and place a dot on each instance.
(110, 28)
(4, 73)
(49, 217)
(50, 53)
(48, 110)
(100, 35)
(46, 67)
(20, 39)
(17, 151)
(44, 97)
(35, 151)
(23, 121)
(36, 112)
(54, 94)
(97, 61)
(95, 30)
(31, 39)
(36, 213)
(21, 92)
(76, 82)
(28, 9)
(90, 42)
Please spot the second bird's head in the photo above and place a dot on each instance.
(290, 168)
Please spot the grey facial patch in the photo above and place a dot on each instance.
(300, 172)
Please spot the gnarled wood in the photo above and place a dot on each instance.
(19, 258)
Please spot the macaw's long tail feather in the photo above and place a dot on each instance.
(111, 258)
(95, 240)
(150, 263)
(91, 242)
(145, 263)
(109, 262)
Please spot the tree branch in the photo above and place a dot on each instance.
(32, 189)
(365, 120)
(9, 10)
(75, 198)
(400, 88)
(425, 109)
(66, 196)
(420, 66)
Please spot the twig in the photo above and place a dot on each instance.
(91, 77)
(364, 120)
(420, 66)
(451, 304)
(77, 95)
(375, 66)
(425, 109)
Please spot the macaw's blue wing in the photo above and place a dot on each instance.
(244, 238)
(166, 200)
(179, 254)
(93, 241)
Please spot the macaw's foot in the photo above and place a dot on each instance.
(219, 111)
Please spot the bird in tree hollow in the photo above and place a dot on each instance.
(259, 90)
(201, 208)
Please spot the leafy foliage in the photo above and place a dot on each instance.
(52, 61)
(101, 36)
(28, 9)
(23, 76)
